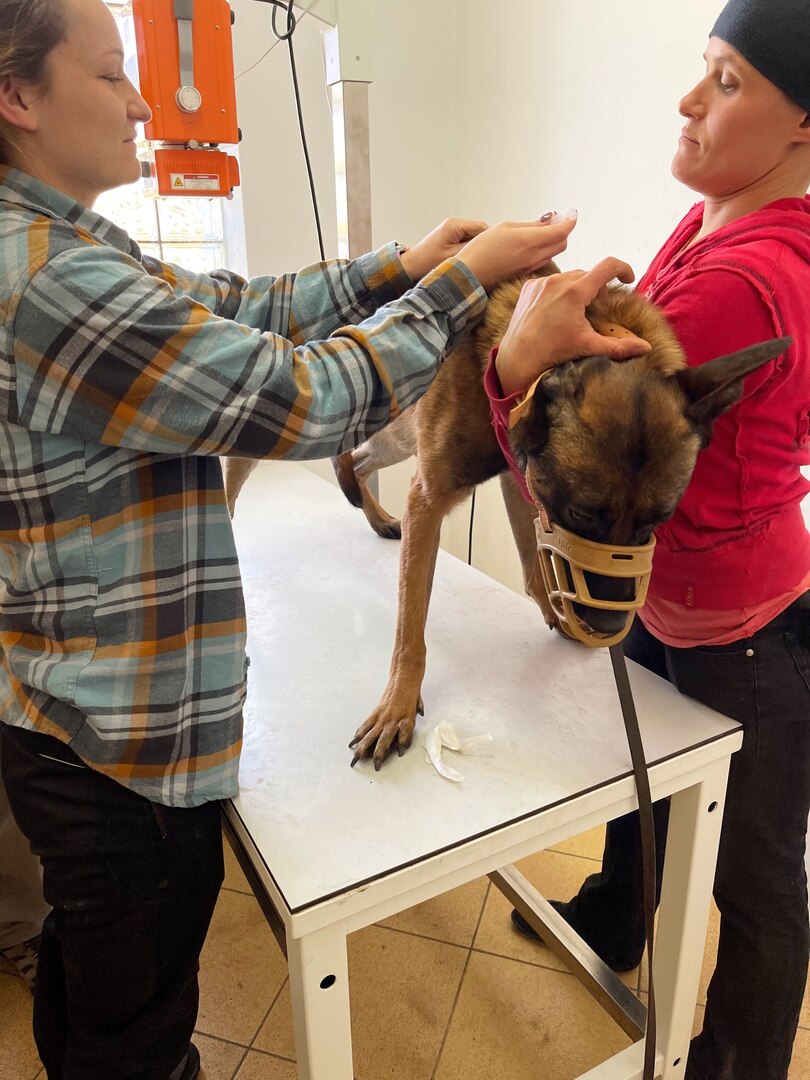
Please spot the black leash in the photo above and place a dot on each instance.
(647, 838)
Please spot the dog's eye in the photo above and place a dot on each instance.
(581, 516)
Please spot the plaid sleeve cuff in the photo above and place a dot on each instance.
(384, 273)
(454, 289)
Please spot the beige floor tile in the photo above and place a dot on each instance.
(262, 1067)
(800, 1063)
(276, 1035)
(523, 1022)
(557, 877)
(19, 1059)
(241, 970)
(697, 1023)
(234, 878)
(451, 917)
(402, 992)
(220, 1060)
(589, 845)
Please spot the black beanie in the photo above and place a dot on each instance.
(774, 36)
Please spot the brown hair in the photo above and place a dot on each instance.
(29, 29)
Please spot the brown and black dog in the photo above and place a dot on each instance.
(609, 447)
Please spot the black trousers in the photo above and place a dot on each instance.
(133, 887)
(755, 995)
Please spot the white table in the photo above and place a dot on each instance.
(332, 849)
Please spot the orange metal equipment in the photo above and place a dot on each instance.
(185, 62)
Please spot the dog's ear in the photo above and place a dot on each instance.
(530, 434)
(715, 386)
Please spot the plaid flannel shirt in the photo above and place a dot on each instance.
(122, 381)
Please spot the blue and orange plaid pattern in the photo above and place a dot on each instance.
(122, 381)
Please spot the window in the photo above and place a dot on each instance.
(189, 232)
(184, 231)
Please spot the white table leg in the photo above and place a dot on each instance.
(694, 836)
(319, 988)
(628, 1064)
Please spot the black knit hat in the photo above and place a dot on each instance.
(774, 36)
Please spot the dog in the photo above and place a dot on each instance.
(607, 447)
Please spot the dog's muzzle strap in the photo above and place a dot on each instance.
(565, 561)
(648, 858)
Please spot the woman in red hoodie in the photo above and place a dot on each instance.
(727, 619)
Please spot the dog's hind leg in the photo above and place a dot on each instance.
(354, 469)
(394, 719)
(521, 519)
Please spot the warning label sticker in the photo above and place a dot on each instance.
(194, 181)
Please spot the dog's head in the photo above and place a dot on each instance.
(609, 448)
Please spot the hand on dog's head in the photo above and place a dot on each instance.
(611, 447)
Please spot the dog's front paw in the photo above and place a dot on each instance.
(390, 725)
(551, 620)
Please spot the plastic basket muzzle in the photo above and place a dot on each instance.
(564, 559)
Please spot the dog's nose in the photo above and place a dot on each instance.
(606, 588)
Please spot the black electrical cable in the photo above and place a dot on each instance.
(472, 521)
(287, 35)
(305, 147)
(291, 20)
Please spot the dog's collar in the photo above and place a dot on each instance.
(606, 329)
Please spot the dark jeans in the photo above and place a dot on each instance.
(756, 991)
(133, 887)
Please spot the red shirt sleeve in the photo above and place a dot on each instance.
(499, 408)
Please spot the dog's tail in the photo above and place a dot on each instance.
(346, 477)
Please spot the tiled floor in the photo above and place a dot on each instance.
(445, 991)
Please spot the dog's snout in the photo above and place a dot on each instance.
(602, 587)
(602, 620)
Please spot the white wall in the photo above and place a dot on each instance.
(412, 116)
(280, 230)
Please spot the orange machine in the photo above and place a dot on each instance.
(185, 62)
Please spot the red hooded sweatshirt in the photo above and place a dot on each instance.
(737, 540)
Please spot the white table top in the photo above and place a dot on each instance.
(321, 597)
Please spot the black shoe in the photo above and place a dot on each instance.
(621, 963)
(189, 1067)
